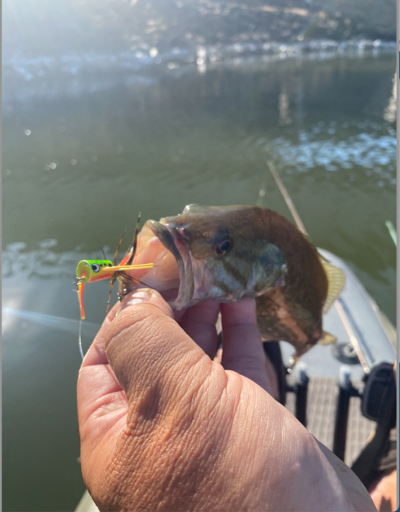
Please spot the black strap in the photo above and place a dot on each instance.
(366, 466)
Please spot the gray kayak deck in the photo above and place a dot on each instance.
(321, 408)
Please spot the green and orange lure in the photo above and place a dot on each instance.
(91, 271)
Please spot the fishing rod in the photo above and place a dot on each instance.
(338, 306)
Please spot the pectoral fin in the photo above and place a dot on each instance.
(336, 281)
(327, 339)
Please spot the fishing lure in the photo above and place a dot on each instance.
(91, 271)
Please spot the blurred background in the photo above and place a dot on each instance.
(111, 107)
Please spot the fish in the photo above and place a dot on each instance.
(227, 252)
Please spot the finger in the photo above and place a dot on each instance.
(242, 348)
(151, 355)
(199, 323)
(178, 315)
(272, 376)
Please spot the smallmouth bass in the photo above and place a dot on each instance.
(226, 252)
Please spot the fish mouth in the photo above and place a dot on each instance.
(174, 243)
(172, 274)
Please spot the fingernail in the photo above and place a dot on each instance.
(136, 297)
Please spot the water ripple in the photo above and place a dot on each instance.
(376, 154)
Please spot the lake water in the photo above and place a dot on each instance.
(90, 141)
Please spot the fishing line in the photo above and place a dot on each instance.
(80, 339)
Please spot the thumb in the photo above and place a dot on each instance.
(150, 354)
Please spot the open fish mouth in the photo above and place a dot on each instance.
(172, 274)
(173, 242)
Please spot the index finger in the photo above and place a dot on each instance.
(199, 323)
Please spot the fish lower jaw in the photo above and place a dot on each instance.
(169, 291)
(163, 277)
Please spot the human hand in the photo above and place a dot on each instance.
(163, 427)
(383, 490)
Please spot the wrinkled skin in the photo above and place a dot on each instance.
(267, 258)
(165, 428)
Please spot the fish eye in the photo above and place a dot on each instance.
(224, 246)
(95, 267)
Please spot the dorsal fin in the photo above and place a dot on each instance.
(336, 281)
